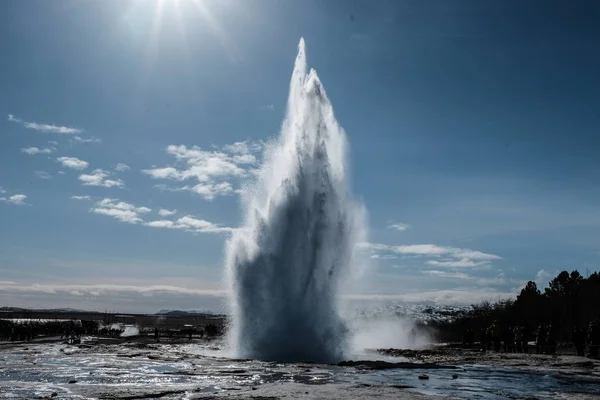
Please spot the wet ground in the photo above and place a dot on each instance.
(142, 370)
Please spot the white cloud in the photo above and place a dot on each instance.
(80, 197)
(399, 226)
(122, 167)
(2, 190)
(383, 257)
(43, 175)
(451, 296)
(60, 172)
(165, 213)
(543, 277)
(464, 262)
(73, 162)
(268, 107)
(44, 127)
(122, 215)
(161, 224)
(245, 147)
(120, 210)
(498, 281)
(126, 212)
(17, 199)
(209, 190)
(121, 205)
(88, 140)
(451, 256)
(190, 224)
(36, 150)
(163, 173)
(98, 289)
(212, 170)
(447, 274)
(98, 178)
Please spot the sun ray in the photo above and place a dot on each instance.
(221, 35)
(182, 31)
(152, 46)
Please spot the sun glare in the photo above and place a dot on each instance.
(200, 13)
(161, 25)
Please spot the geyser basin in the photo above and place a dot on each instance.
(286, 263)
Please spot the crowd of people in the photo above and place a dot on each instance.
(516, 339)
(72, 330)
(27, 330)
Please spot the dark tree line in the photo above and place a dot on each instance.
(570, 300)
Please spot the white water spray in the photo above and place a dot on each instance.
(287, 262)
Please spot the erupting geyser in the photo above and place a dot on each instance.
(286, 263)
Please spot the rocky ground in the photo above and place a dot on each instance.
(565, 359)
(137, 368)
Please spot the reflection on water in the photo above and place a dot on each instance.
(39, 370)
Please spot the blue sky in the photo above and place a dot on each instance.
(473, 129)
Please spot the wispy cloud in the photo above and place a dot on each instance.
(383, 256)
(99, 289)
(399, 226)
(73, 162)
(447, 274)
(213, 170)
(2, 191)
(120, 210)
(268, 107)
(462, 263)
(17, 199)
(122, 167)
(543, 277)
(166, 213)
(449, 256)
(98, 178)
(464, 296)
(199, 225)
(35, 150)
(161, 224)
(190, 224)
(45, 127)
(210, 190)
(86, 140)
(43, 175)
(129, 213)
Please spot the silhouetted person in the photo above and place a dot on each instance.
(483, 339)
(518, 332)
(508, 338)
(526, 336)
(550, 340)
(156, 339)
(496, 335)
(594, 338)
(540, 339)
(579, 340)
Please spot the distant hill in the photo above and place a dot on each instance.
(56, 310)
(182, 313)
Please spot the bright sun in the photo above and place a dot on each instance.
(157, 21)
(186, 10)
